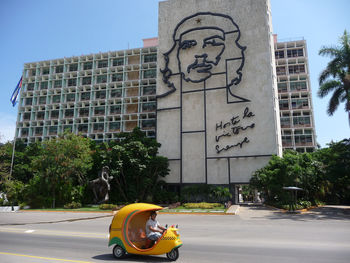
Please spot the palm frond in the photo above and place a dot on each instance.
(334, 101)
(329, 51)
(327, 87)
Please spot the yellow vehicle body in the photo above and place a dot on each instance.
(127, 232)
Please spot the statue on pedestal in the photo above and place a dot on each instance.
(100, 186)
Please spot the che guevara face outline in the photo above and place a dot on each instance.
(198, 55)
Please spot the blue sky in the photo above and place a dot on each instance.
(35, 30)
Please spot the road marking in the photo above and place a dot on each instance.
(53, 259)
(29, 231)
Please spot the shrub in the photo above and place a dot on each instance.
(108, 207)
(72, 205)
(201, 205)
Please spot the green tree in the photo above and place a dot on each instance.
(336, 76)
(62, 164)
(336, 165)
(135, 166)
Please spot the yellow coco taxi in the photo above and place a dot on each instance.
(127, 233)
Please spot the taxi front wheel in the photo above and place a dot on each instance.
(173, 254)
(118, 252)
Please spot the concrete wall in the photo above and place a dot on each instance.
(217, 100)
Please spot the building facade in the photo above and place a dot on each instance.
(295, 97)
(97, 95)
(100, 95)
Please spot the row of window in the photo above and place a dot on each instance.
(84, 96)
(83, 128)
(86, 65)
(293, 86)
(150, 73)
(292, 69)
(291, 53)
(295, 104)
(85, 112)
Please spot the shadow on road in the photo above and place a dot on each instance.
(134, 258)
(319, 213)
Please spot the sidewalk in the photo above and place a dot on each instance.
(39, 217)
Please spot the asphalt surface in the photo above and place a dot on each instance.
(256, 234)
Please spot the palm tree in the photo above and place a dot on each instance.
(336, 76)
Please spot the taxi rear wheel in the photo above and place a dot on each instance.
(118, 252)
(173, 254)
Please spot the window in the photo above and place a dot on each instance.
(149, 90)
(281, 70)
(99, 110)
(33, 72)
(26, 116)
(284, 104)
(102, 64)
(286, 140)
(28, 101)
(59, 69)
(117, 77)
(305, 120)
(84, 112)
(68, 128)
(118, 62)
(44, 85)
(101, 79)
(54, 114)
(87, 81)
(70, 97)
(38, 131)
(113, 126)
(40, 115)
(87, 65)
(300, 85)
(149, 106)
(56, 98)
(116, 93)
(99, 127)
(295, 69)
(150, 58)
(46, 71)
(30, 86)
(57, 84)
(73, 67)
(68, 113)
(285, 122)
(149, 73)
(82, 128)
(279, 54)
(53, 130)
(85, 96)
(148, 123)
(295, 52)
(115, 109)
(24, 132)
(282, 87)
(101, 94)
(72, 82)
(42, 100)
(299, 103)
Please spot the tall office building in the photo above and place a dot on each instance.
(97, 95)
(295, 97)
(100, 95)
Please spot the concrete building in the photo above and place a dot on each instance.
(97, 95)
(295, 97)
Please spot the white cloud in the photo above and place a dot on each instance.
(7, 127)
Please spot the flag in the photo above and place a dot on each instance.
(15, 93)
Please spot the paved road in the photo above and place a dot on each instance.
(256, 234)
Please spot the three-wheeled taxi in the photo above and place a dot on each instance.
(128, 233)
